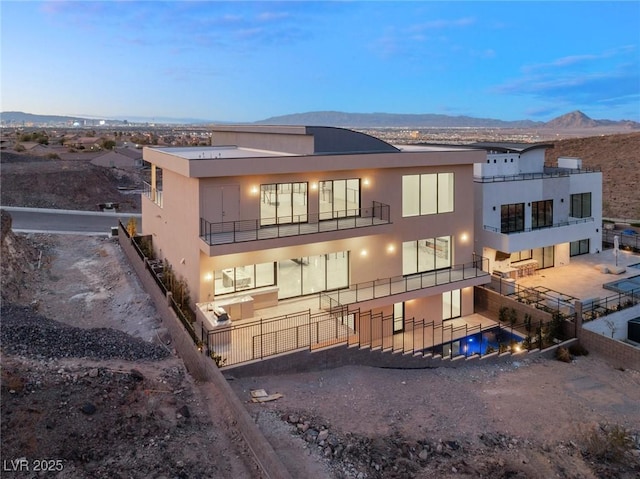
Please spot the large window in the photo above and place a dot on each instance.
(312, 274)
(581, 205)
(339, 198)
(512, 218)
(426, 255)
(283, 203)
(241, 278)
(541, 214)
(451, 304)
(579, 247)
(427, 194)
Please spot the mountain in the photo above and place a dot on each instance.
(381, 120)
(577, 120)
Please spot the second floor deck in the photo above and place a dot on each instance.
(269, 228)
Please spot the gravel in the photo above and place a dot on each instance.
(26, 333)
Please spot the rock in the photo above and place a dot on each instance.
(93, 373)
(136, 375)
(184, 411)
(88, 408)
(322, 435)
(424, 455)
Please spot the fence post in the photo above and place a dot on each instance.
(169, 298)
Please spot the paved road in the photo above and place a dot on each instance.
(41, 220)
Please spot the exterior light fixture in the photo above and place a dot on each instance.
(365, 182)
(363, 253)
(208, 277)
(314, 186)
(254, 190)
(464, 237)
(391, 248)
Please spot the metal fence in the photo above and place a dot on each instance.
(261, 339)
(269, 228)
(597, 308)
(156, 273)
(626, 241)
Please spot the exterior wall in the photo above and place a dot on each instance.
(175, 226)
(493, 195)
(189, 194)
(384, 185)
(279, 141)
(617, 353)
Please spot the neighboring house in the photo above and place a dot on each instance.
(530, 216)
(119, 158)
(271, 214)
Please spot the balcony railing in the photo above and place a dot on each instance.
(528, 230)
(154, 194)
(269, 228)
(549, 172)
(381, 288)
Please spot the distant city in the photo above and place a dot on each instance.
(393, 128)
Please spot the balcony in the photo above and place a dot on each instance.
(528, 238)
(154, 194)
(383, 288)
(269, 228)
(549, 172)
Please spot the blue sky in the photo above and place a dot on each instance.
(247, 61)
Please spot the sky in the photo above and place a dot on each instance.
(248, 61)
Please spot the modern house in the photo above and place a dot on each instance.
(530, 216)
(270, 215)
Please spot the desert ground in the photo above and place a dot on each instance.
(90, 384)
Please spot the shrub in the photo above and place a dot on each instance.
(606, 443)
(562, 354)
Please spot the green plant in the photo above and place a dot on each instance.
(503, 314)
(490, 349)
(503, 348)
(513, 316)
(218, 359)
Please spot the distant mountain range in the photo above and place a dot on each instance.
(573, 120)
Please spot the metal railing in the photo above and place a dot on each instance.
(156, 273)
(154, 194)
(528, 230)
(599, 307)
(269, 228)
(549, 172)
(624, 240)
(261, 339)
(402, 284)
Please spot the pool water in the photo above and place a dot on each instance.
(624, 285)
(479, 343)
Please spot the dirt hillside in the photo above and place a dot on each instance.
(619, 158)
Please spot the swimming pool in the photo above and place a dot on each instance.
(479, 343)
(625, 285)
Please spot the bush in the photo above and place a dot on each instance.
(562, 354)
(606, 443)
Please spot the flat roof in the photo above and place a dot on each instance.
(427, 147)
(215, 152)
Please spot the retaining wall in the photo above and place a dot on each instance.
(617, 353)
(203, 368)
